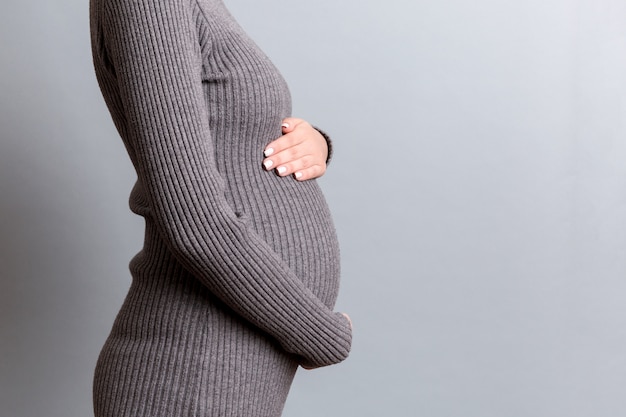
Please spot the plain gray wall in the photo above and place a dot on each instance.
(478, 187)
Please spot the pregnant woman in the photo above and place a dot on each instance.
(235, 284)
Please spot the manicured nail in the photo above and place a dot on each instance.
(268, 164)
(268, 151)
(298, 175)
(285, 125)
(281, 170)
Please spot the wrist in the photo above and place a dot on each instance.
(329, 144)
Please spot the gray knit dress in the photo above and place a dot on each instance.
(239, 272)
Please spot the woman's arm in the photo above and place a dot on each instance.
(154, 58)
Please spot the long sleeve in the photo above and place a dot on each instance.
(155, 60)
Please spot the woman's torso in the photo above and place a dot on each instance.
(247, 98)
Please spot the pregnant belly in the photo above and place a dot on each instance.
(294, 219)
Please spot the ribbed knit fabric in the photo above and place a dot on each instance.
(239, 272)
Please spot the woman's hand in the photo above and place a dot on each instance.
(349, 319)
(301, 151)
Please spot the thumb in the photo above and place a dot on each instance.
(289, 124)
(349, 319)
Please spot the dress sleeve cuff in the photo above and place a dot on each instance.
(329, 144)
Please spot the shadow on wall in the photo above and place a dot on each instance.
(59, 245)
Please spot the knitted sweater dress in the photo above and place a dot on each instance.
(239, 272)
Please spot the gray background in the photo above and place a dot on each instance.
(478, 187)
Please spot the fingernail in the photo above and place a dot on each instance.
(298, 175)
(268, 151)
(268, 164)
(281, 170)
(285, 125)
